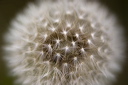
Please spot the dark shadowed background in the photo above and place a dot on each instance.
(9, 8)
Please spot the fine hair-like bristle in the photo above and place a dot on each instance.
(64, 42)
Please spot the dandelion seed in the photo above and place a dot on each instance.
(77, 35)
(64, 32)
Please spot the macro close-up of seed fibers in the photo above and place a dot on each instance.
(64, 42)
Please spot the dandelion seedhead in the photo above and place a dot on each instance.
(64, 42)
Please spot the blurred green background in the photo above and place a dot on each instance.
(9, 9)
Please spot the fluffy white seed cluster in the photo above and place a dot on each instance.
(64, 43)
